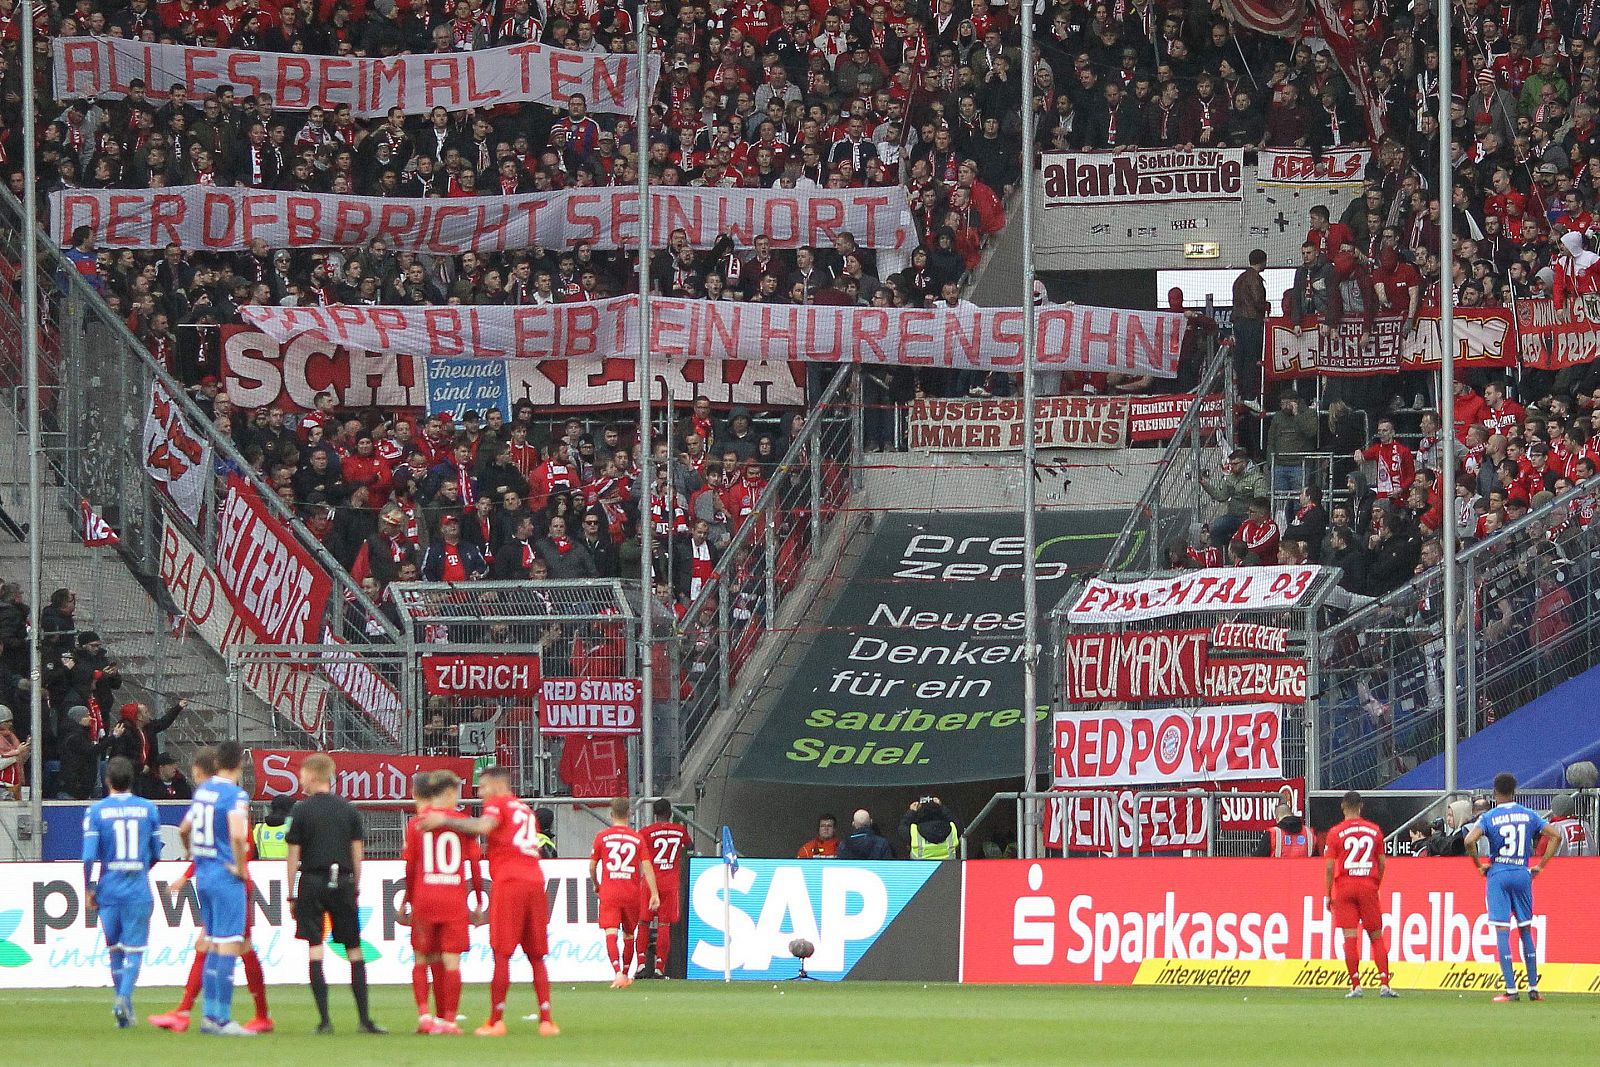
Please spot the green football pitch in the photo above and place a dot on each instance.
(907, 1023)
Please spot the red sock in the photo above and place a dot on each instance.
(419, 986)
(663, 946)
(498, 986)
(628, 959)
(449, 995)
(1380, 954)
(613, 951)
(541, 988)
(1352, 960)
(191, 988)
(436, 969)
(641, 940)
(257, 982)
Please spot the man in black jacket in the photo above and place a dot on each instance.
(80, 757)
(596, 540)
(514, 561)
(167, 783)
(864, 842)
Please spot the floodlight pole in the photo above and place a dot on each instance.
(646, 384)
(1030, 571)
(1447, 398)
(30, 355)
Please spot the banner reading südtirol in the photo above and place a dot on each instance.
(916, 677)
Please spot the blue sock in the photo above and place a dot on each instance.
(208, 986)
(1530, 957)
(117, 962)
(225, 965)
(1502, 935)
(131, 963)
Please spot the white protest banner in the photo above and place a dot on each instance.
(1212, 589)
(1170, 175)
(177, 458)
(259, 372)
(1301, 168)
(1074, 337)
(87, 67)
(1168, 745)
(55, 940)
(224, 218)
(997, 424)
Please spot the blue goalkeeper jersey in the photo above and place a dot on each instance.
(122, 833)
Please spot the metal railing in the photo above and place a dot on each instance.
(1526, 621)
(758, 571)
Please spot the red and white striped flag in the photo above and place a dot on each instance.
(96, 531)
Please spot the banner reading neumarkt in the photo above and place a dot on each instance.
(916, 677)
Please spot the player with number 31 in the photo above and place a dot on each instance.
(1513, 832)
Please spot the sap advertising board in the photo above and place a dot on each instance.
(866, 919)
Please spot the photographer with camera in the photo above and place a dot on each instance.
(930, 830)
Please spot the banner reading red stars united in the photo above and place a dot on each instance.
(87, 67)
(1075, 337)
(205, 216)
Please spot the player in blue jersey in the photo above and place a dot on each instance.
(1512, 832)
(216, 832)
(122, 833)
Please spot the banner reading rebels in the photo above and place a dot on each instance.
(273, 582)
(87, 67)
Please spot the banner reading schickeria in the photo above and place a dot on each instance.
(916, 678)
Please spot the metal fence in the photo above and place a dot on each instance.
(759, 573)
(1175, 509)
(1526, 621)
(1117, 832)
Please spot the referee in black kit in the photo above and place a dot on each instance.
(325, 848)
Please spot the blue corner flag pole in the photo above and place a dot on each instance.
(730, 865)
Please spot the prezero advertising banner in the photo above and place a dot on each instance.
(50, 937)
(1234, 922)
(880, 920)
(916, 677)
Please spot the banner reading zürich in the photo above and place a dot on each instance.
(916, 677)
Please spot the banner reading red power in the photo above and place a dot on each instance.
(273, 582)
(1168, 745)
(478, 675)
(590, 706)
(360, 775)
(1098, 920)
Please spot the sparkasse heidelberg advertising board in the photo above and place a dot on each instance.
(1242, 922)
(55, 940)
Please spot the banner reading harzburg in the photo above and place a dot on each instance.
(1075, 337)
(87, 67)
(227, 218)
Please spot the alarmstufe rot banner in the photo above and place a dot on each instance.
(481, 675)
(1170, 745)
(87, 67)
(1212, 589)
(590, 706)
(360, 776)
(215, 217)
(1069, 337)
(273, 582)
(1074, 179)
(1099, 920)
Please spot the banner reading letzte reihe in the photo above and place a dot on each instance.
(89, 67)
(1077, 337)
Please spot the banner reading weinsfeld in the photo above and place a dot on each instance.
(1240, 923)
(1168, 745)
(53, 938)
(1302, 168)
(997, 424)
(1484, 338)
(481, 675)
(88, 67)
(590, 706)
(1115, 824)
(260, 372)
(360, 776)
(275, 584)
(205, 216)
(1077, 337)
(1212, 589)
(1079, 179)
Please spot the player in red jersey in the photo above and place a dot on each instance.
(438, 864)
(616, 866)
(666, 843)
(1355, 871)
(519, 912)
